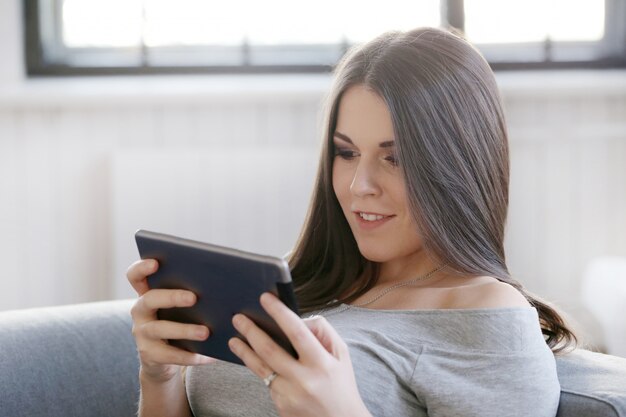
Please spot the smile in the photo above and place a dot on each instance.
(371, 221)
(371, 217)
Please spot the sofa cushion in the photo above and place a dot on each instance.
(592, 384)
(77, 360)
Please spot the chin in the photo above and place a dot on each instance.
(374, 255)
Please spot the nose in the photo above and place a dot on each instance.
(365, 181)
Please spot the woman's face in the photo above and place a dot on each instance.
(366, 179)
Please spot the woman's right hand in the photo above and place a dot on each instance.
(160, 362)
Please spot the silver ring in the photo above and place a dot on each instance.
(268, 380)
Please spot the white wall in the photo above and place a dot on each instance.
(77, 172)
(12, 68)
(69, 149)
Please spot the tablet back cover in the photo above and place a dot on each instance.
(226, 281)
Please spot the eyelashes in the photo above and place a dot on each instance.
(344, 153)
(348, 155)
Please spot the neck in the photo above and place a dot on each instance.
(403, 269)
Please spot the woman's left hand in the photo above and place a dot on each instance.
(320, 382)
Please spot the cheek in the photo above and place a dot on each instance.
(398, 193)
(341, 183)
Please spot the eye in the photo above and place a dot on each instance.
(348, 155)
(344, 153)
(392, 160)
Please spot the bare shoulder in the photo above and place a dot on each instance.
(489, 293)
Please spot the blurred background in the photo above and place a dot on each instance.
(203, 119)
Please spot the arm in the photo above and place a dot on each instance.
(162, 398)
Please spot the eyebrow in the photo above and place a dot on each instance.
(386, 144)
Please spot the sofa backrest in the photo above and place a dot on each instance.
(592, 384)
(81, 360)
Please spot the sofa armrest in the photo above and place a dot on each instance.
(592, 384)
(77, 360)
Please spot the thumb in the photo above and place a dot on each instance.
(327, 336)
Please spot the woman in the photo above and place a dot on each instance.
(400, 264)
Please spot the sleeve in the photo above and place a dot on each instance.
(481, 383)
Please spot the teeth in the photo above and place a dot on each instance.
(371, 217)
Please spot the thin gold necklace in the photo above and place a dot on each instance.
(384, 292)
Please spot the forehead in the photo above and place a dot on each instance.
(363, 115)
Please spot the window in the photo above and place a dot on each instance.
(65, 37)
(548, 33)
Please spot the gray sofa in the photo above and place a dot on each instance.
(80, 360)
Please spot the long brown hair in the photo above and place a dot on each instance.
(452, 147)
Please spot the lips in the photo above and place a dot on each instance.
(371, 224)
(371, 212)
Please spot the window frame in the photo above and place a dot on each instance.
(52, 58)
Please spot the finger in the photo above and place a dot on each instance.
(138, 272)
(249, 357)
(264, 346)
(302, 339)
(327, 336)
(163, 354)
(163, 329)
(147, 305)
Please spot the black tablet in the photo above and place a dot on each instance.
(226, 281)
